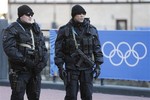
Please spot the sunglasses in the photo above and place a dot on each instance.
(29, 14)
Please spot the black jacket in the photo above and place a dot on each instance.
(17, 33)
(87, 38)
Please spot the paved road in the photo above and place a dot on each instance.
(50, 94)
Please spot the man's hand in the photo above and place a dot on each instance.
(97, 71)
(39, 67)
(62, 73)
(29, 63)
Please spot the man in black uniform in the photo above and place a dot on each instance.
(78, 47)
(24, 44)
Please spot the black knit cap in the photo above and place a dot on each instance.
(77, 9)
(24, 9)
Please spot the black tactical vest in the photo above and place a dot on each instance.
(84, 41)
(21, 36)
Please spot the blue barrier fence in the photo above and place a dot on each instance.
(53, 67)
(126, 54)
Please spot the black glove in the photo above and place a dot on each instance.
(29, 63)
(97, 71)
(62, 73)
(39, 67)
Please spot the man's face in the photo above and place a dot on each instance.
(27, 18)
(79, 17)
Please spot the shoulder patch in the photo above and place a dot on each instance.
(12, 28)
(92, 26)
(62, 27)
(12, 25)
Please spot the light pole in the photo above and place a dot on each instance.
(131, 15)
(54, 25)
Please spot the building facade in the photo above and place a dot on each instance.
(104, 14)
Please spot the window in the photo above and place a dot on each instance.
(121, 24)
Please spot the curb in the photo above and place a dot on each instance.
(106, 89)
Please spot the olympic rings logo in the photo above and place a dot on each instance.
(124, 55)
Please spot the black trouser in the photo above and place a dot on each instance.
(85, 79)
(25, 82)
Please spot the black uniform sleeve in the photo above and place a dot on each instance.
(44, 51)
(10, 46)
(98, 55)
(59, 55)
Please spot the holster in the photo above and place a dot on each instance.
(13, 77)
